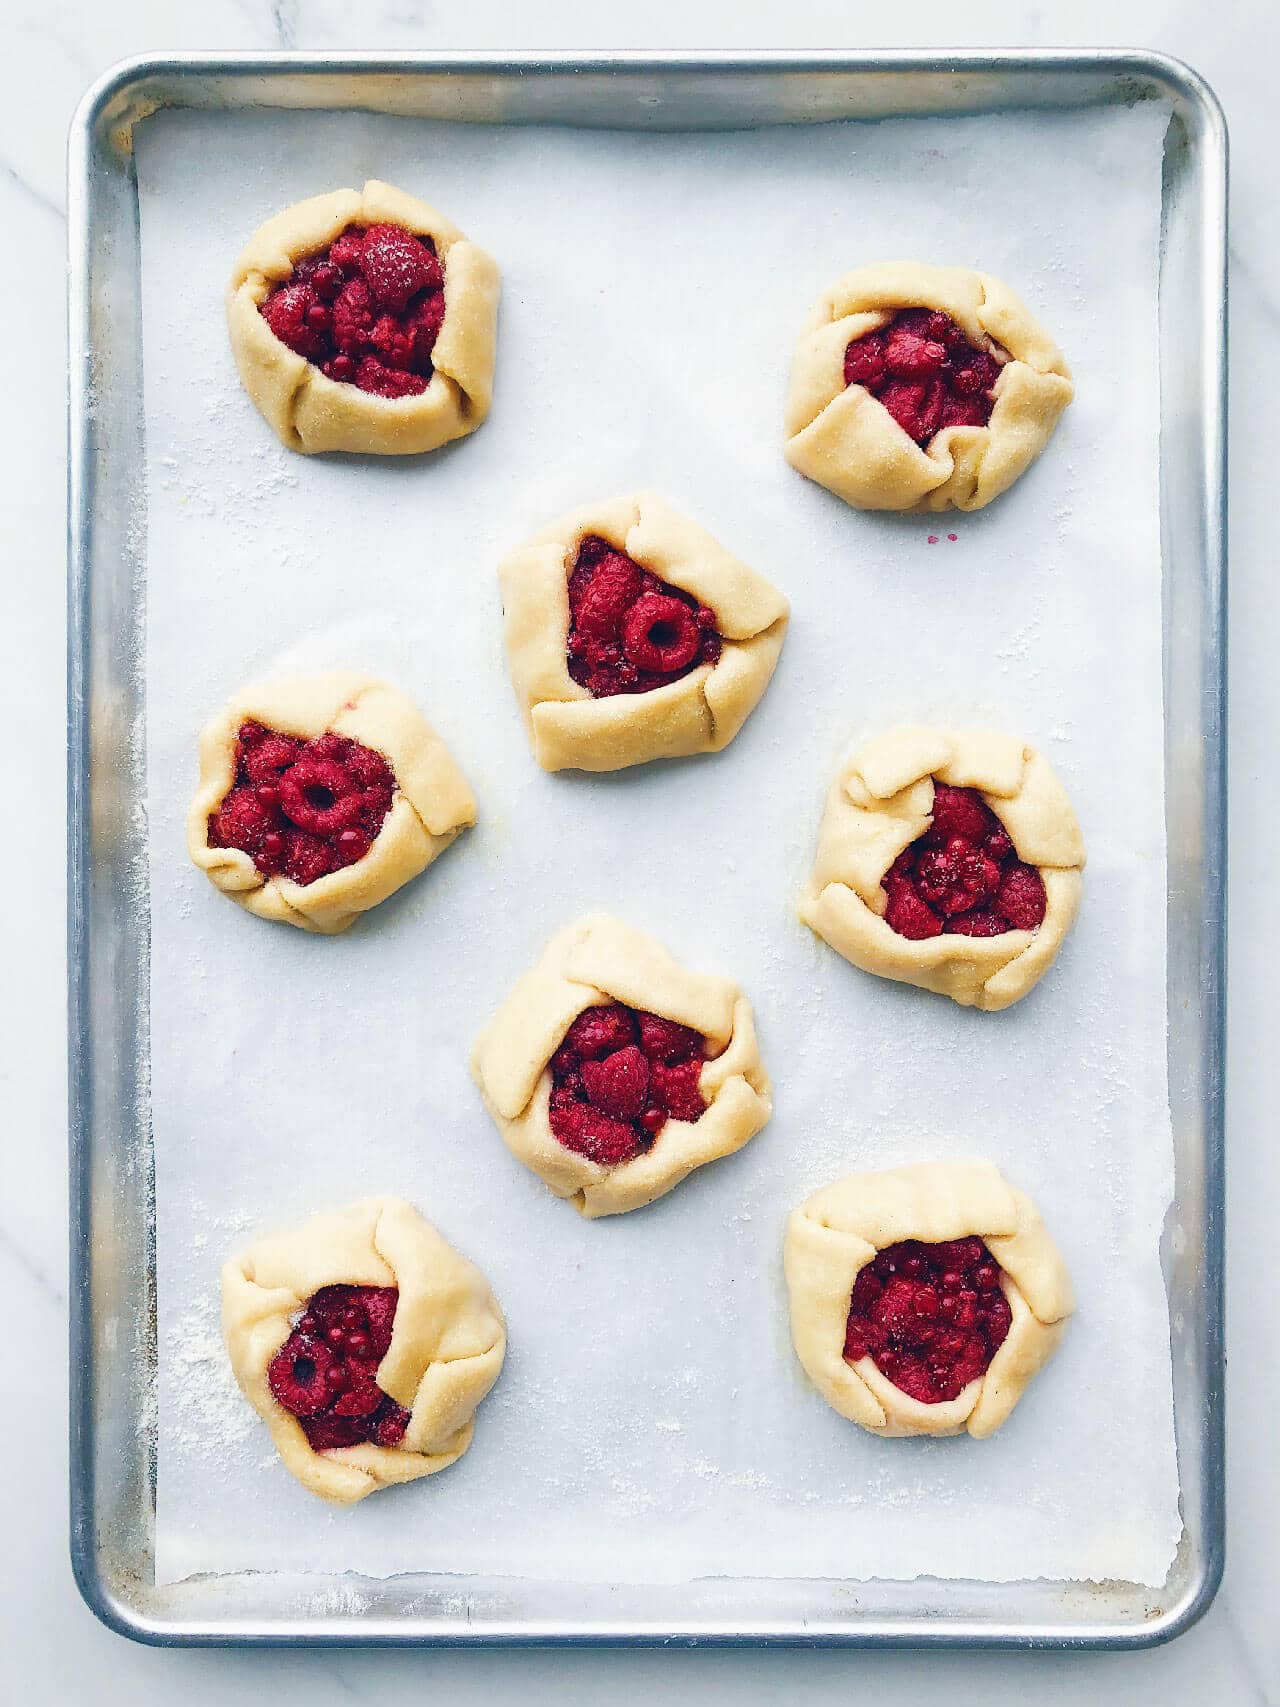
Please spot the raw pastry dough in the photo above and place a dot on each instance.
(698, 713)
(432, 803)
(881, 801)
(312, 412)
(596, 961)
(446, 1350)
(843, 438)
(839, 1230)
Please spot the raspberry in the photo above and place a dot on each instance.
(917, 408)
(866, 1290)
(864, 360)
(958, 812)
(345, 252)
(320, 796)
(676, 1088)
(909, 356)
(629, 631)
(397, 265)
(306, 858)
(353, 317)
(326, 1432)
(1022, 898)
(367, 313)
(666, 1041)
(997, 845)
(285, 311)
(957, 878)
(963, 412)
(999, 1319)
(930, 1316)
(906, 911)
(390, 342)
(380, 1311)
(303, 808)
(379, 380)
(660, 634)
(603, 595)
(268, 756)
(597, 1136)
(895, 1308)
(392, 1424)
(911, 1377)
(242, 821)
(298, 1375)
(367, 768)
(925, 372)
(977, 924)
(350, 845)
(599, 1031)
(611, 1096)
(619, 1084)
(424, 321)
(326, 280)
(961, 1254)
(862, 1338)
(962, 876)
(362, 1397)
(329, 1365)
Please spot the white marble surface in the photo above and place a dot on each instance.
(51, 1649)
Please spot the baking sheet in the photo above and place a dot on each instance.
(651, 1423)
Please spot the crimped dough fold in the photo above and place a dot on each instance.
(446, 1349)
(311, 412)
(882, 800)
(833, 1236)
(596, 961)
(842, 437)
(432, 804)
(699, 713)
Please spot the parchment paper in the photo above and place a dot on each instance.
(652, 1423)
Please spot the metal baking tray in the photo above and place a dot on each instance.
(113, 1325)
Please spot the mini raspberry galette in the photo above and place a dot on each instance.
(365, 1342)
(612, 1072)
(950, 859)
(922, 388)
(633, 635)
(320, 796)
(924, 1299)
(365, 321)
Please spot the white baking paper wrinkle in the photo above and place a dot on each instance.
(651, 1422)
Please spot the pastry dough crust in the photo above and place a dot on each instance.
(832, 1237)
(596, 961)
(699, 713)
(446, 1350)
(311, 412)
(432, 804)
(882, 800)
(842, 437)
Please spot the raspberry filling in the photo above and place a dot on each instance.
(618, 1077)
(302, 809)
(367, 311)
(962, 877)
(326, 1372)
(630, 632)
(925, 372)
(930, 1317)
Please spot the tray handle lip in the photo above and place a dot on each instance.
(1179, 78)
(130, 1621)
